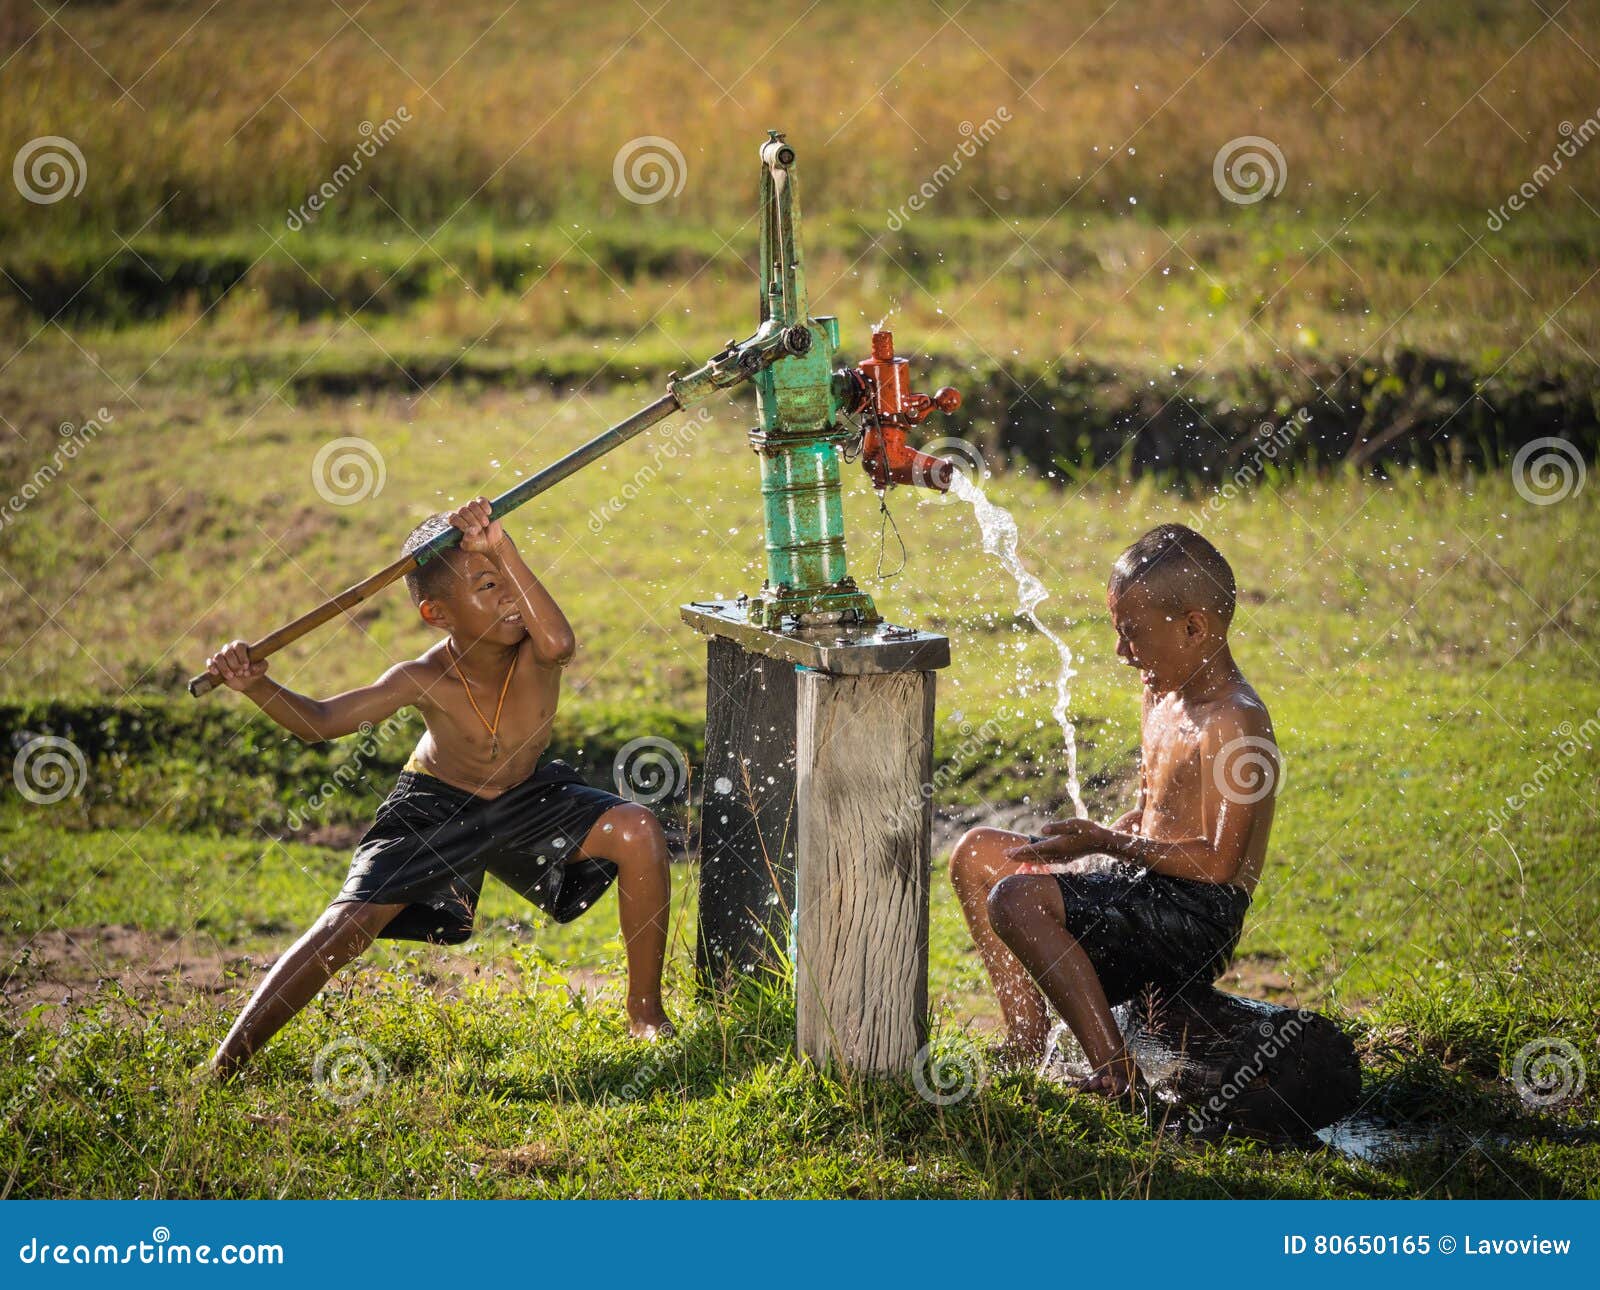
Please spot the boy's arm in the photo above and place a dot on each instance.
(1216, 858)
(553, 640)
(316, 719)
(548, 629)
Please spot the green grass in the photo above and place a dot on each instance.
(605, 300)
(512, 1089)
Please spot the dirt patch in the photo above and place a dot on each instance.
(66, 968)
(950, 824)
(535, 1158)
(149, 971)
(1261, 976)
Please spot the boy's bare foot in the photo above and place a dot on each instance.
(1123, 1083)
(651, 1031)
(650, 1023)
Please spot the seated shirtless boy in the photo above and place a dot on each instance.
(1167, 908)
(473, 797)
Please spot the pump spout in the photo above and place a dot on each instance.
(890, 460)
(888, 408)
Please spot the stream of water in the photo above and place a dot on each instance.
(999, 532)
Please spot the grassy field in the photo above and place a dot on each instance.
(490, 236)
(1424, 644)
(175, 362)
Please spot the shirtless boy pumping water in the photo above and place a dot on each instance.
(474, 798)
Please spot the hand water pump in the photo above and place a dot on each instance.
(803, 404)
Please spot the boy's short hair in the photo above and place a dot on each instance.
(1180, 569)
(433, 580)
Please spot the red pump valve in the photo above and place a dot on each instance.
(889, 409)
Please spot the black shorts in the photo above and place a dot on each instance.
(1141, 928)
(431, 843)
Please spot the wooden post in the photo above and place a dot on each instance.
(863, 797)
(747, 825)
(831, 725)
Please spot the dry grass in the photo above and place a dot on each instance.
(230, 117)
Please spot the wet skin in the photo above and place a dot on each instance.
(1198, 710)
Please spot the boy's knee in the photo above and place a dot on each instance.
(359, 919)
(631, 825)
(979, 839)
(1016, 901)
(973, 845)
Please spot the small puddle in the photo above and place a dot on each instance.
(1378, 1142)
(1375, 1141)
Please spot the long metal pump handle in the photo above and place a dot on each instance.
(734, 365)
(508, 501)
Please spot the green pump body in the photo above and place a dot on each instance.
(801, 400)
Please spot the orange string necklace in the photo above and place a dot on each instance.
(494, 730)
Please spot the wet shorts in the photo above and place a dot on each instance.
(1141, 928)
(431, 843)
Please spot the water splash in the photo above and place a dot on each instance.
(999, 532)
